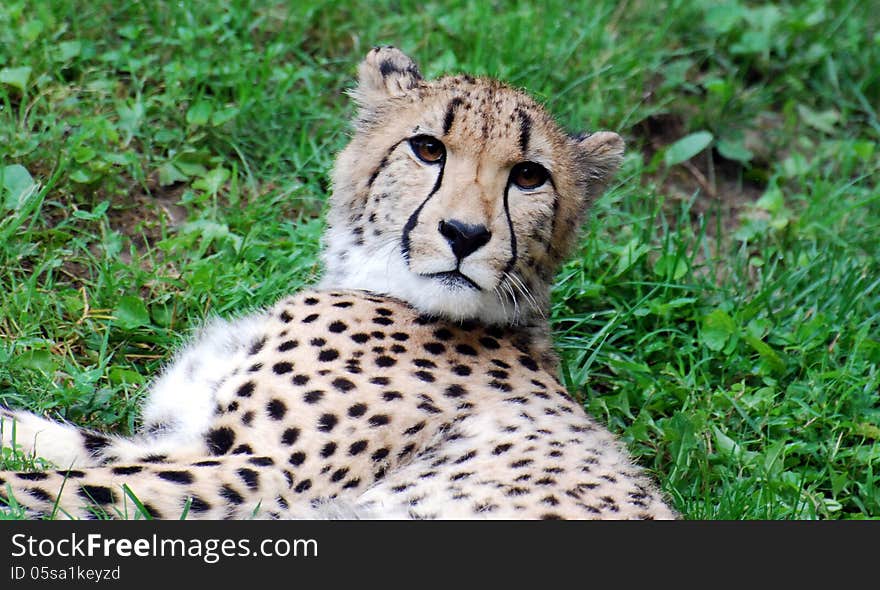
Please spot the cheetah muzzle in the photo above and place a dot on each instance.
(417, 380)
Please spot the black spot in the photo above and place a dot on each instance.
(247, 418)
(326, 422)
(380, 381)
(303, 486)
(290, 436)
(357, 410)
(392, 395)
(32, 476)
(465, 349)
(313, 397)
(317, 342)
(276, 409)
(250, 477)
(337, 327)
(261, 461)
(455, 391)
(498, 374)
(435, 347)
(406, 450)
(339, 474)
(425, 364)
(285, 317)
(97, 494)
(449, 117)
(181, 477)
(357, 447)
(95, 442)
(525, 130)
(502, 448)
(243, 450)
(297, 458)
(461, 370)
(328, 354)
(246, 389)
(343, 384)
(489, 343)
(415, 429)
(40, 494)
(343, 304)
(429, 408)
(287, 345)
(400, 336)
(352, 483)
(379, 420)
(310, 318)
(72, 474)
(385, 361)
(501, 385)
(230, 495)
(380, 454)
(198, 505)
(257, 346)
(528, 363)
(311, 301)
(425, 376)
(360, 337)
(208, 463)
(300, 379)
(220, 440)
(383, 321)
(282, 368)
(328, 450)
(466, 457)
(443, 334)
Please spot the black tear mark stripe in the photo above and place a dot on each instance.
(414, 218)
(449, 118)
(382, 163)
(513, 254)
(525, 130)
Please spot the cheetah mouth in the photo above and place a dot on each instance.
(454, 278)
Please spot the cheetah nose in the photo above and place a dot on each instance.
(465, 238)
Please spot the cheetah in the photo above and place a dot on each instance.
(417, 380)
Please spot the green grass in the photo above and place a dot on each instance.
(161, 162)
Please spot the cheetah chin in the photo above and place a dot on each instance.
(418, 380)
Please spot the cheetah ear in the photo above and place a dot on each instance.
(386, 72)
(598, 156)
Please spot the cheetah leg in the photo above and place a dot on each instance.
(68, 446)
(232, 486)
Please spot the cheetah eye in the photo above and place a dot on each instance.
(428, 149)
(529, 175)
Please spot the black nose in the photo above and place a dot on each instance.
(464, 238)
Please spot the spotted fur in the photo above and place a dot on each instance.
(417, 380)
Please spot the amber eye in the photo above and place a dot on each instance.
(428, 149)
(528, 175)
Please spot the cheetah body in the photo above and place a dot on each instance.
(418, 380)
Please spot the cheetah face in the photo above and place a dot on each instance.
(458, 195)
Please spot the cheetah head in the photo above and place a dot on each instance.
(458, 195)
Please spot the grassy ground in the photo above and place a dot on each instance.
(162, 161)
